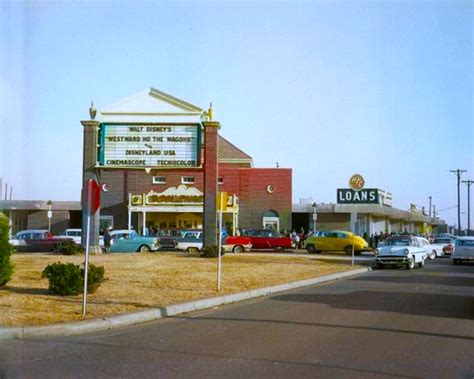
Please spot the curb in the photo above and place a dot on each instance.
(128, 319)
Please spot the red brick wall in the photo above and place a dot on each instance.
(249, 184)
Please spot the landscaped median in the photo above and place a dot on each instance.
(139, 282)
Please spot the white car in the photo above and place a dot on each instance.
(463, 250)
(446, 244)
(75, 234)
(406, 251)
(432, 250)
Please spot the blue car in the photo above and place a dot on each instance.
(135, 244)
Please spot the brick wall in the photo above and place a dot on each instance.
(249, 184)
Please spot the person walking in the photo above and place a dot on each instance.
(107, 239)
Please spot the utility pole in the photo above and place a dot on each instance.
(429, 212)
(468, 183)
(458, 173)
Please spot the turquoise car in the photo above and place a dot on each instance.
(135, 244)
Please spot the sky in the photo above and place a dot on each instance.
(327, 88)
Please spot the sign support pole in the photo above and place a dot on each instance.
(86, 267)
(219, 245)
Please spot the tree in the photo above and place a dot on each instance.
(6, 267)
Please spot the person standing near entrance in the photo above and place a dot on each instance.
(107, 240)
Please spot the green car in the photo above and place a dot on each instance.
(135, 244)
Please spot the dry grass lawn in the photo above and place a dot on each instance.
(137, 282)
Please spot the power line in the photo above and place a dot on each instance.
(458, 173)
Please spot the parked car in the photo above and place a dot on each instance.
(267, 239)
(35, 240)
(335, 241)
(446, 244)
(192, 242)
(406, 251)
(74, 234)
(463, 250)
(443, 246)
(115, 235)
(132, 244)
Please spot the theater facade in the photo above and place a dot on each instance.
(170, 195)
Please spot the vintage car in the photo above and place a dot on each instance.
(335, 241)
(35, 240)
(193, 243)
(267, 239)
(115, 235)
(135, 243)
(463, 250)
(445, 245)
(75, 234)
(406, 251)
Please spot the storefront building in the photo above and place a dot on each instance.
(364, 210)
(172, 198)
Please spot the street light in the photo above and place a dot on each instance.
(315, 217)
(50, 214)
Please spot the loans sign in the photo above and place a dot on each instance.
(154, 146)
(363, 196)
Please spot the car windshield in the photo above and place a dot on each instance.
(398, 242)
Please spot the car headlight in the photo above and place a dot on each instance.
(406, 251)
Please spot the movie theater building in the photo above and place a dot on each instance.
(169, 198)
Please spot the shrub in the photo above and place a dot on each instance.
(67, 247)
(211, 251)
(68, 279)
(6, 267)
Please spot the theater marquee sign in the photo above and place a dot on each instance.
(153, 146)
(357, 194)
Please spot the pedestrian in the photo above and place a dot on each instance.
(107, 239)
(376, 240)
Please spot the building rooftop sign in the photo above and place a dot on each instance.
(149, 146)
(357, 194)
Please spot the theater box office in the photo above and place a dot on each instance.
(150, 159)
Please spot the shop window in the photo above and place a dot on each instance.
(187, 179)
(159, 180)
(220, 181)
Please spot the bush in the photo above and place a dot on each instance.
(68, 247)
(211, 251)
(68, 279)
(6, 267)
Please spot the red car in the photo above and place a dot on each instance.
(267, 239)
(36, 240)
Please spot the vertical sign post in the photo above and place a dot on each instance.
(353, 226)
(93, 203)
(221, 206)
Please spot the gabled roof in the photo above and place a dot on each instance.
(151, 101)
(229, 153)
(150, 105)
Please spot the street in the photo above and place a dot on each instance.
(386, 323)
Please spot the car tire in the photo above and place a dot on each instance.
(278, 249)
(379, 266)
(421, 264)
(456, 261)
(144, 249)
(348, 250)
(432, 255)
(411, 264)
(238, 249)
(310, 249)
